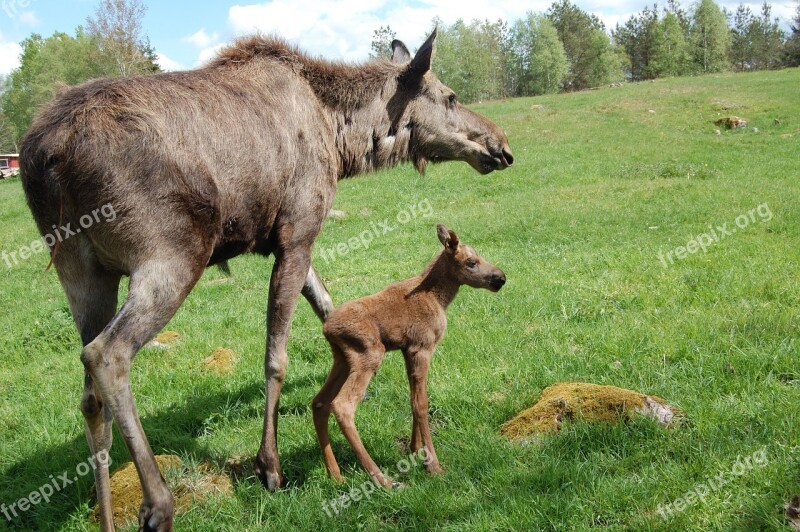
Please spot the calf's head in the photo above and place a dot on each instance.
(441, 128)
(466, 266)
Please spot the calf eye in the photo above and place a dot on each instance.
(471, 263)
(451, 99)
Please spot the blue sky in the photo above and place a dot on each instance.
(186, 33)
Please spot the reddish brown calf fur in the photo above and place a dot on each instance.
(409, 316)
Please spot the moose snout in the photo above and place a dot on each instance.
(507, 157)
(497, 281)
(502, 158)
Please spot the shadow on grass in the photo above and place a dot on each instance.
(175, 430)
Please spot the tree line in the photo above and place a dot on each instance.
(568, 49)
(112, 44)
(562, 49)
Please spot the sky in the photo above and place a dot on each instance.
(185, 33)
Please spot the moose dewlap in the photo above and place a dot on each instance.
(589, 402)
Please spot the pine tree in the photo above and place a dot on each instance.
(592, 58)
(792, 49)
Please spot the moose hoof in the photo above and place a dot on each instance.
(272, 480)
(395, 485)
(153, 519)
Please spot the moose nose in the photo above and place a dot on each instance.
(498, 281)
(508, 157)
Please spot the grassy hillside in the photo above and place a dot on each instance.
(605, 183)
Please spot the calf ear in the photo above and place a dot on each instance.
(400, 53)
(447, 237)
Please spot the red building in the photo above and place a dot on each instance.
(9, 164)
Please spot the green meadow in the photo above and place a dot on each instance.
(598, 227)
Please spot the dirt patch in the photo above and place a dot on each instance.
(189, 486)
(589, 402)
(164, 340)
(222, 361)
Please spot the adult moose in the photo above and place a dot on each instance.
(242, 155)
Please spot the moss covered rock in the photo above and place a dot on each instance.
(589, 402)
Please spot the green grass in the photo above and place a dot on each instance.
(600, 187)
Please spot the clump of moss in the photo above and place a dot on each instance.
(222, 361)
(189, 486)
(164, 340)
(589, 402)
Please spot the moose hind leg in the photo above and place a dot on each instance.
(288, 276)
(157, 288)
(92, 295)
(317, 295)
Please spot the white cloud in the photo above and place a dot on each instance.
(209, 53)
(334, 29)
(9, 56)
(168, 64)
(29, 18)
(201, 39)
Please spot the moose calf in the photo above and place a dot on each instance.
(409, 316)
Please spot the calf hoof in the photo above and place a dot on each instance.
(272, 480)
(152, 519)
(395, 485)
(435, 469)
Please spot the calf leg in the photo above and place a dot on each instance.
(321, 407)
(288, 275)
(417, 364)
(362, 368)
(157, 288)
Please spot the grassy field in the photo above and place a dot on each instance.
(605, 183)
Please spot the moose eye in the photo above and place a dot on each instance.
(471, 263)
(451, 99)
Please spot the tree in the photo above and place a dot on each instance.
(592, 59)
(767, 38)
(45, 64)
(710, 37)
(792, 49)
(472, 59)
(638, 39)
(539, 63)
(671, 53)
(117, 28)
(382, 42)
(7, 138)
(756, 42)
(742, 50)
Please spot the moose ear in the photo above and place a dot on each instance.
(422, 60)
(447, 237)
(400, 53)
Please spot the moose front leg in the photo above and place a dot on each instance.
(288, 275)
